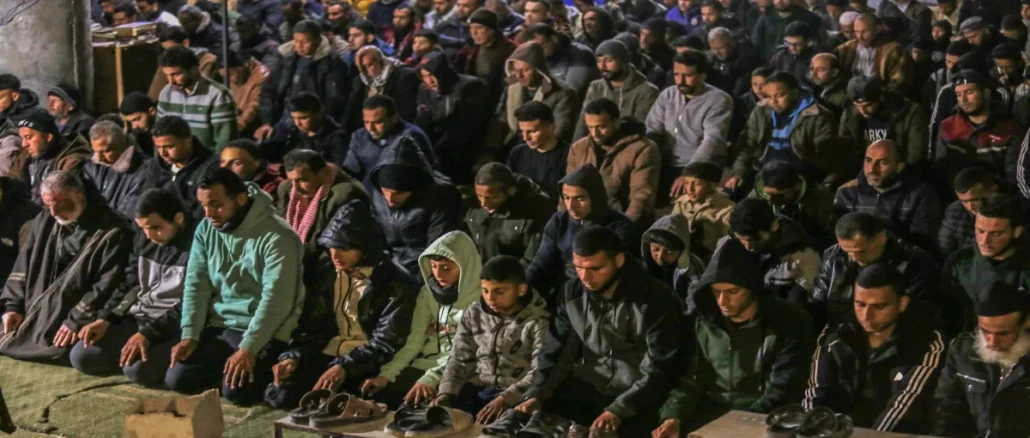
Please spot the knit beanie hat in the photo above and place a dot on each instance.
(999, 298)
(495, 174)
(614, 49)
(9, 82)
(135, 102)
(485, 17)
(39, 120)
(400, 178)
(862, 88)
(66, 92)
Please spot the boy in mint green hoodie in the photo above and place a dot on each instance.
(242, 294)
(450, 267)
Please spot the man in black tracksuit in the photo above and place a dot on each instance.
(881, 367)
(613, 349)
(984, 390)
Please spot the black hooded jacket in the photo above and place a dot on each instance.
(184, 183)
(514, 229)
(16, 210)
(27, 101)
(384, 310)
(326, 75)
(432, 210)
(455, 117)
(605, 30)
(553, 262)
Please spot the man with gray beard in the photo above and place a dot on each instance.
(984, 389)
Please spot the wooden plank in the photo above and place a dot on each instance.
(746, 424)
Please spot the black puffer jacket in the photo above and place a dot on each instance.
(122, 183)
(331, 141)
(184, 184)
(16, 210)
(889, 388)
(975, 398)
(27, 101)
(835, 285)
(431, 211)
(627, 347)
(909, 208)
(456, 120)
(384, 310)
(515, 228)
(327, 76)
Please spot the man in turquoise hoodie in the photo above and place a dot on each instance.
(243, 292)
(450, 267)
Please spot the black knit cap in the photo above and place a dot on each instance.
(400, 178)
(865, 88)
(999, 298)
(9, 82)
(135, 102)
(495, 174)
(705, 170)
(39, 120)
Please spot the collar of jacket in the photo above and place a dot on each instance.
(200, 155)
(898, 182)
(323, 50)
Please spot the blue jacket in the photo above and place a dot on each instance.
(380, 13)
(364, 153)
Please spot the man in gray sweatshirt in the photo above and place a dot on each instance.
(689, 121)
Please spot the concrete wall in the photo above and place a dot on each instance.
(44, 42)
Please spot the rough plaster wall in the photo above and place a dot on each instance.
(44, 42)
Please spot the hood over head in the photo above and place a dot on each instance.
(353, 227)
(458, 247)
(436, 64)
(674, 224)
(403, 155)
(731, 263)
(605, 24)
(261, 210)
(531, 53)
(28, 100)
(589, 179)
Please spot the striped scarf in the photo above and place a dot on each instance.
(302, 211)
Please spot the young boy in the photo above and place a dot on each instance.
(706, 209)
(665, 248)
(450, 267)
(494, 353)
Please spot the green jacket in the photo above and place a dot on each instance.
(813, 209)
(967, 272)
(758, 366)
(248, 279)
(812, 141)
(434, 326)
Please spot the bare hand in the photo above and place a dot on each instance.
(136, 345)
(371, 386)
(607, 421)
(65, 337)
(529, 406)
(94, 332)
(238, 368)
(678, 187)
(492, 410)
(283, 370)
(12, 320)
(331, 378)
(419, 392)
(182, 351)
(732, 183)
(669, 429)
(445, 400)
(262, 133)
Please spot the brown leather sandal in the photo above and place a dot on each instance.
(344, 409)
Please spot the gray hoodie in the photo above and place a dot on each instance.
(691, 131)
(497, 351)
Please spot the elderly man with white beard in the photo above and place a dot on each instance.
(984, 389)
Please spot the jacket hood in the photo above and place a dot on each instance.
(438, 66)
(405, 153)
(733, 264)
(261, 210)
(678, 226)
(460, 248)
(605, 25)
(531, 53)
(589, 178)
(323, 50)
(352, 227)
(27, 100)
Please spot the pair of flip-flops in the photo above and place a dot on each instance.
(793, 421)
(324, 409)
(416, 420)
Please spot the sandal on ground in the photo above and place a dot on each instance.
(441, 422)
(507, 424)
(406, 417)
(784, 422)
(311, 404)
(345, 409)
(820, 422)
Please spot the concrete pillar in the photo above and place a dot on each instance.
(45, 42)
